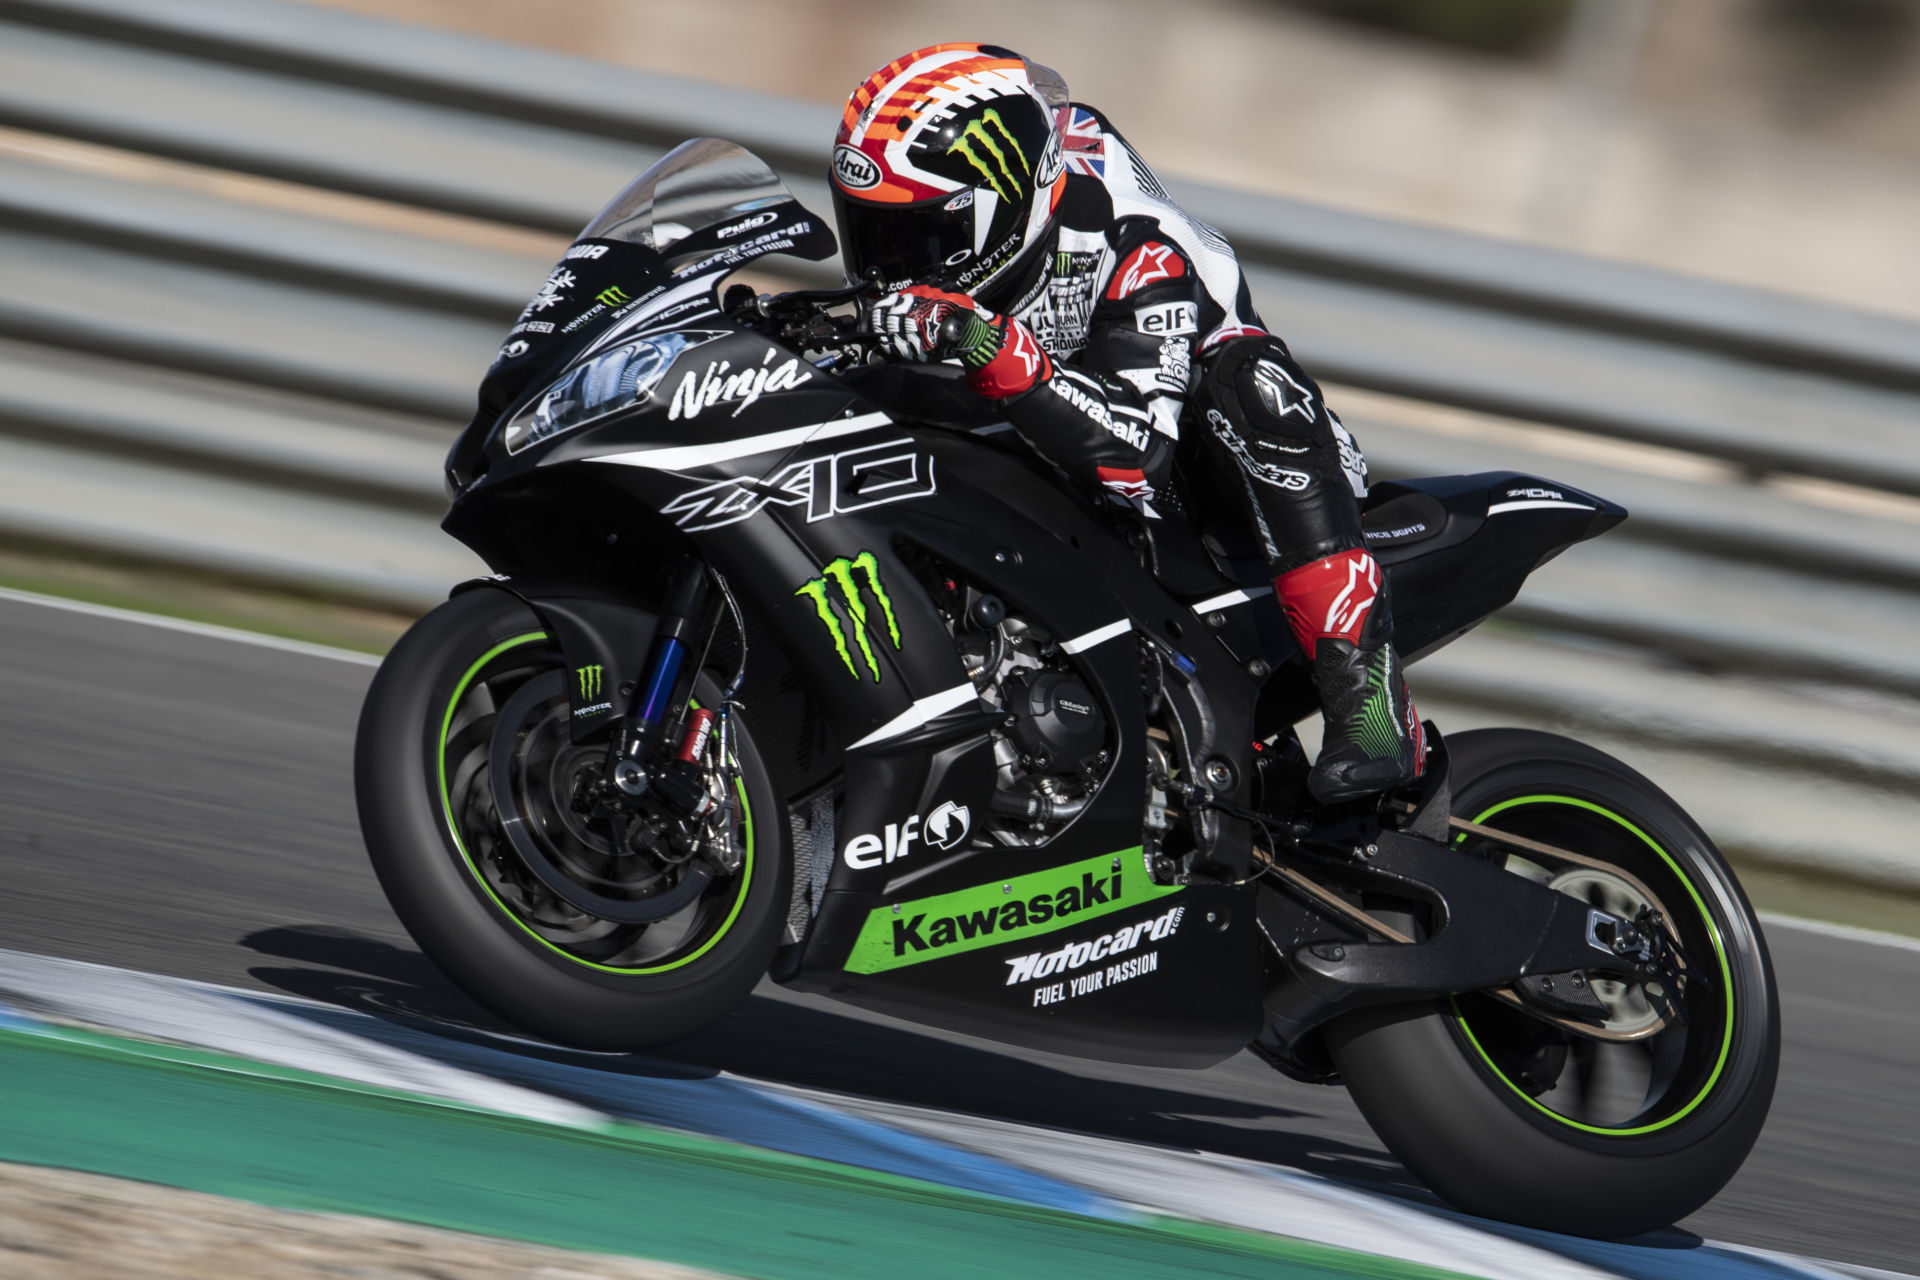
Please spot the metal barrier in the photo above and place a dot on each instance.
(232, 383)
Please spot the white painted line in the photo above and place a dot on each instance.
(1097, 636)
(209, 1017)
(923, 710)
(1536, 505)
(1847, 932)
(205, 630)
(1228, 600)
(686, 457)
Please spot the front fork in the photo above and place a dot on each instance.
(693, 611)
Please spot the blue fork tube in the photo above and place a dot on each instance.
(658, 690)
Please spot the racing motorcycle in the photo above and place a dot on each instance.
(796, 663)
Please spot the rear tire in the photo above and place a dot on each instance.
(1447, 1087)
(429, 850)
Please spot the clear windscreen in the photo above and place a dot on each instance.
(699, 184)
(651, 259)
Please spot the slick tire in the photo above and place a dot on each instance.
(465, 928)
(1439, 1102)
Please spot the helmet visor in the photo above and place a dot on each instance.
(907, 243)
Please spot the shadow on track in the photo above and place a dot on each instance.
(795, 1041)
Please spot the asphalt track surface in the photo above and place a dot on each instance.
(182, 804)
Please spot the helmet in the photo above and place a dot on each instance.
(948, 166)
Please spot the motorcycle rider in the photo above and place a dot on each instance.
(1019, 233)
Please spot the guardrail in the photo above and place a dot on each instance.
(230, 382)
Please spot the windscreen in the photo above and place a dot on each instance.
(652, 258)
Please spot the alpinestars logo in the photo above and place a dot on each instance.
(1266, 472)
(1281, 392)
(1149, 264)
(985, 144)
(837, 582)
(1349, 607)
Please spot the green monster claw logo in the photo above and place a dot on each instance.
(590, 678)
(614, 296)
(840, 575)
(978, 134)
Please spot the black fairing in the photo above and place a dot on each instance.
(823, 500)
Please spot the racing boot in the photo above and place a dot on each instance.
(1372, 740)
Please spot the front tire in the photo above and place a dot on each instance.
(420, 779)
(1509, 1117)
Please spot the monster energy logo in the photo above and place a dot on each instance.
(838, 579)
(977, 137)
(614, 296)
(590, 682)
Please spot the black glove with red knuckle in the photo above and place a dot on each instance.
(927, 325)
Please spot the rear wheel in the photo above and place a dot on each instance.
(464, 735)
(1599, 1130)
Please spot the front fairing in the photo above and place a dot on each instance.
(651, 262)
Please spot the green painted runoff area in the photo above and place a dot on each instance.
(228, 1127)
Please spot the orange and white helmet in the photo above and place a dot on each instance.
(948, 166)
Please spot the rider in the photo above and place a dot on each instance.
(1019, 233)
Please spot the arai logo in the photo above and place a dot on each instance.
(854, 169)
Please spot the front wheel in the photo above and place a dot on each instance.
(1600, 1129)
(465, 731)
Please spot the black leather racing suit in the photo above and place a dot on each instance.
(1150, 325)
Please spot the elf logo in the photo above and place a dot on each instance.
(945, 828)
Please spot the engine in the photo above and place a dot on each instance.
(1054, 742)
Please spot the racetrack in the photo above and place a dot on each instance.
(181, 803)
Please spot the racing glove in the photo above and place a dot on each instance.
(926, 325)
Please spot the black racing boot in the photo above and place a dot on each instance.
(1372, 741)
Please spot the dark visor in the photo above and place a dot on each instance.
(906, 242)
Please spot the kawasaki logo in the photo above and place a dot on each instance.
(986, 135)
(590, 678)
(836, 580)
(1009, 911)
(1078, 955)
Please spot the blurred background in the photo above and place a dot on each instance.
(254, 257)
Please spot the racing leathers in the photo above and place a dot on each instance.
(1136, 322)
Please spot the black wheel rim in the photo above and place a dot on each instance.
(1610, 1089)
(463, 755)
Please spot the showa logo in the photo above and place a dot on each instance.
(722, 384)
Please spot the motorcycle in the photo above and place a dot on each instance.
(796, 663)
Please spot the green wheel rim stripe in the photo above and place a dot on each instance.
(453, 829)
(1720, 953)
